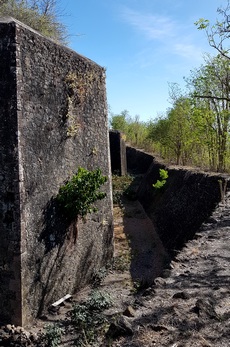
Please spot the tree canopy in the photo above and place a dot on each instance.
(41, 15)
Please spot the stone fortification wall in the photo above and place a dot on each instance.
(138, 161)
(117, 153)
(53, 113)
(180, 207)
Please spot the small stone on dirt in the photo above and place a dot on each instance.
(129, 312)
(120, 327)
(181, 295)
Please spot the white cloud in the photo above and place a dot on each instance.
(153, 26)
(174, 39)
(188, 51)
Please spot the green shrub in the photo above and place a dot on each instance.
(78, 195)
(88, 319)
(52, 335)
(99, 301)
(122, 262)
(163, 175)
(99, 276)
(121, 187)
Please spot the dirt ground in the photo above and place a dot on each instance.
(189, 305)
(184, 302)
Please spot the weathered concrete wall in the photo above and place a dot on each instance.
(117, 153)
(180, 207)
(53, 119)
(10, 260)
(138, 161)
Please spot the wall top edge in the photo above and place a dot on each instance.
(11, 20)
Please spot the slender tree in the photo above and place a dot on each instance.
(211, 84)
(158, 134)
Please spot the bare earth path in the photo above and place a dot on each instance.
(148, 257)
(191, 307)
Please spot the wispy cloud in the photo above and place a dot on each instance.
(173, 37)
(152, 26)
(188, 51)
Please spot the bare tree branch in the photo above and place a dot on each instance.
(212, 97)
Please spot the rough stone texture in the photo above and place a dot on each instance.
(117, 153)
(179, 208)
(138, 161)
(53, 119)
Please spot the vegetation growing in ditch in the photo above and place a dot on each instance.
(99, 276)
(160, 183)
(88, 319)
(121, 187)
(52, 335)
(79, 194)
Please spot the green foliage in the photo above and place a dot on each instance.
(99, 301)
(163, 175)
(134, 130)
(218, 34)
(52, 335)
(159, 184)
(99, 276)
(195, 130)
(119, 122)
(40, 15)
(121, 187)
(122, 262)
(202, 23)
(88, 319)
(210, 90)
(78, 195)
(80, 317)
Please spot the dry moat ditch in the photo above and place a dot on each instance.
(162, 290)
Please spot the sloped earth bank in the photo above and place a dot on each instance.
(184, 303)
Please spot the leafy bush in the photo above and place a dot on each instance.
(88, 320)
(99, 301)
(52, 335)
(121, 187)
(78, 195)
(163, 175)
(80, 316)
(99, 276)
(122, 262)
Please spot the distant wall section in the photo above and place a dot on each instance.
(138, 161)
(179, 208)
(117, 153)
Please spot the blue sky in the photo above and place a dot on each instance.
(143, 44)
